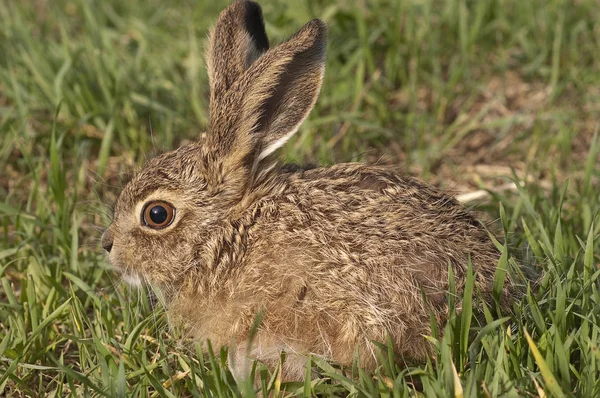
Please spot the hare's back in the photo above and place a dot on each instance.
(377, 215)
(366, 196)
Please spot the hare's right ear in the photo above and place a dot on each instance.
(236, 41)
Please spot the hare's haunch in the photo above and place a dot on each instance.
(333, 258)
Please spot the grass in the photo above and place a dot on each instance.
(468, 95)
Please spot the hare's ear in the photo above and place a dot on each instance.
(283, 86)
(266, 104)
(236, 41)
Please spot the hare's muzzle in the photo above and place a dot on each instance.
(107, 240)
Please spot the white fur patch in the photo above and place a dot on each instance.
(279, 143)
(132, 280)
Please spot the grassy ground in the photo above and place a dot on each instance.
(469, 95)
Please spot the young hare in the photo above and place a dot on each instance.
(333, 258)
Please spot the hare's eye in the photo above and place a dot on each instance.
(158, 214)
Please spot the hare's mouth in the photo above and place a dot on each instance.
(129, 277)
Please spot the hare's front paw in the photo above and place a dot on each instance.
(293, 367)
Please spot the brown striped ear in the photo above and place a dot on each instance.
(266, 104)
(283, 86)
(236, 41)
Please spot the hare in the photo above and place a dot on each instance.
(334, 259)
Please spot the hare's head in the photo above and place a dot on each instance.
(258, 99)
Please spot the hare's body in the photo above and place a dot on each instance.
(334, 259)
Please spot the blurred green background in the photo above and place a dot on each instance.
(469, 95)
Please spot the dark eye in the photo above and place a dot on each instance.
(158, 214)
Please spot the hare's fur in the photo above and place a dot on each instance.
(333, 258)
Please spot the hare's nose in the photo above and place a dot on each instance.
(107, 240)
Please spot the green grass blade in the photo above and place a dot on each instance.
(547, 375)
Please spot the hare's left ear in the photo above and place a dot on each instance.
(236, 41)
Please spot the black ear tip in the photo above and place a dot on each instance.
(251, 8)
(316, 29)
(320, 28)
(319, 25)
(255, 25)
(313, 36)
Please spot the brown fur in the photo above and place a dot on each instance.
(334, 258)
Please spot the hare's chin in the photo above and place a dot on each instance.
(132, 280)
